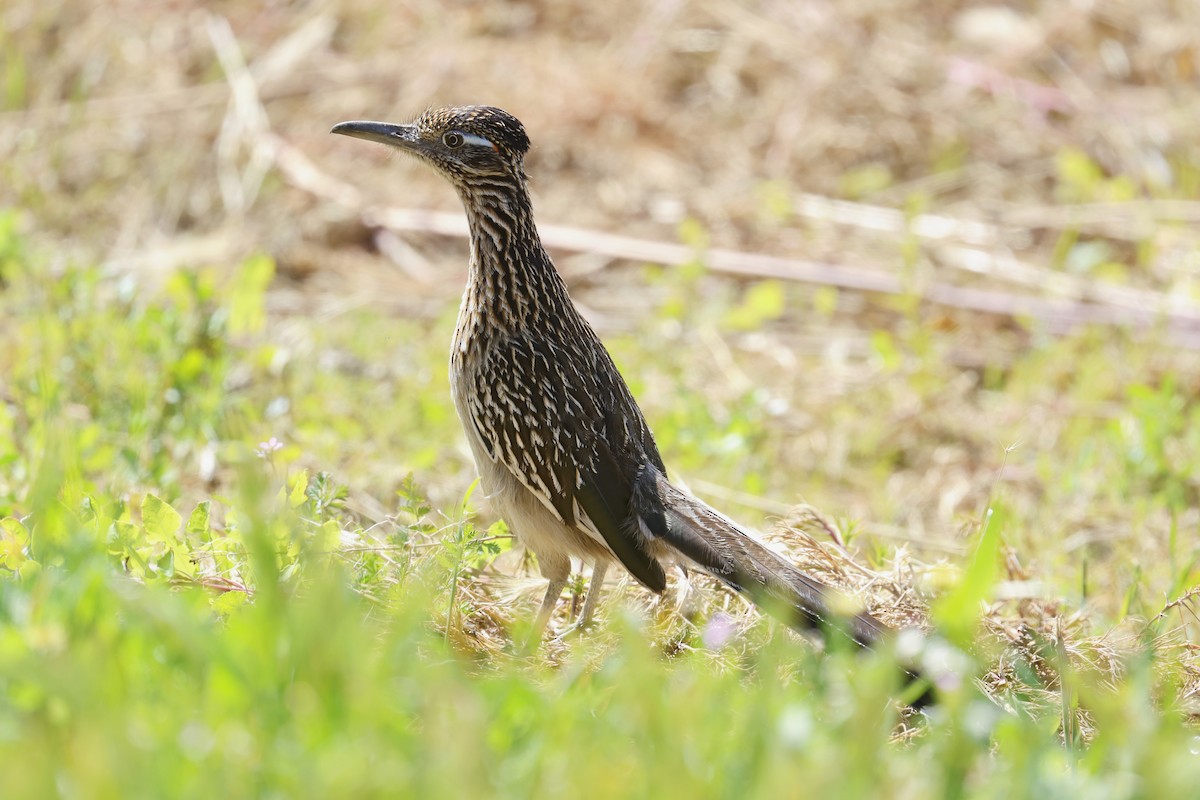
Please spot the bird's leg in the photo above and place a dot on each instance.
(553, 592)
(556, 569)
(685, 595)
(591, 601)
(593, 595)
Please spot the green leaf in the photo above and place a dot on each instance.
(865, 180)
(15, 528)
(298, 494)
(197, 524)
(775, 200)
(1079, 175)
(693, 234)
(228, 602)
(164, 565)
(1075, 166)
(331, 536)
(885, 348)
(160, 520)
(825, 300)
(123, 537)
(190, 365)
(16, 83)
(958, 611)
(14, 538)
(763, 301)
(247, 312)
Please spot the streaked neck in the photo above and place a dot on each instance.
(512, 282)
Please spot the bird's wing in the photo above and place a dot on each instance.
(550, 421)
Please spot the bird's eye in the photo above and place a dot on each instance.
(452, 139)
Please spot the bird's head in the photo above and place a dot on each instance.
(472, 146)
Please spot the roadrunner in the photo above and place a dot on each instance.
(563, 451)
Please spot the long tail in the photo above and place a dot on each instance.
(727, 553)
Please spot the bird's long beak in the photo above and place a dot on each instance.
(404, 136)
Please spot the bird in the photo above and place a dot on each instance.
(564, 453)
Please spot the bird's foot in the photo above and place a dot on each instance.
(575, 629)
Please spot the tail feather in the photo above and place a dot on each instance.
(722, 549)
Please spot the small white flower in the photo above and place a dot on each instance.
(268, 448)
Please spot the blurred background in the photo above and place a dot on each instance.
(900, 260)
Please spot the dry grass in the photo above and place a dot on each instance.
(642, 115)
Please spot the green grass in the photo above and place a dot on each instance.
(184, 612)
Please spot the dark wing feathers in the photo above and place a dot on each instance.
(604, 495)
(559, 433)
